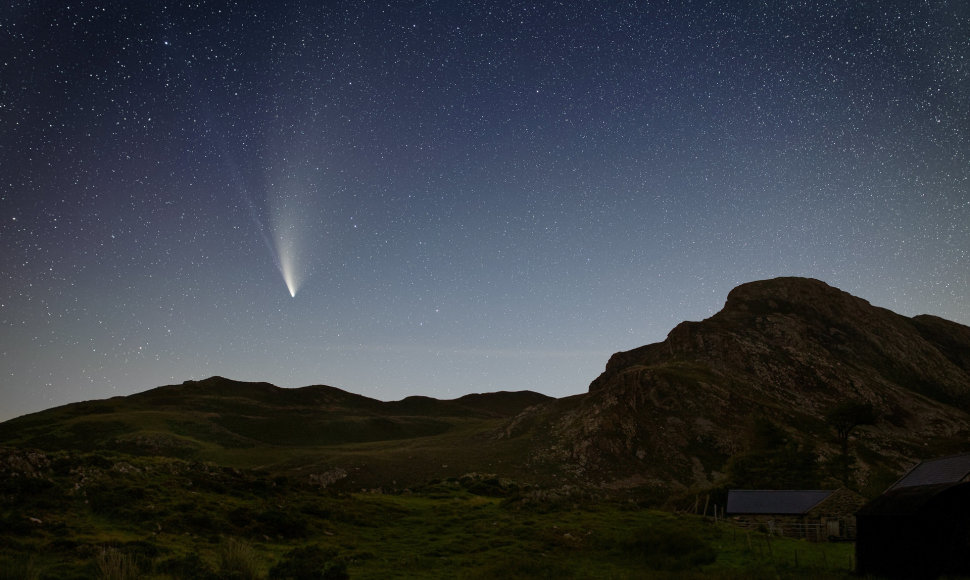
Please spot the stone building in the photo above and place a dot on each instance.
(815, 515)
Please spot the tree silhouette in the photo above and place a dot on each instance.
(774, 461)
(845, 417)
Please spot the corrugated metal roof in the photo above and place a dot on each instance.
(772, 501)
(952, 469)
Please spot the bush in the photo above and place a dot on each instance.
(23, 485)
(98, 461)
(119, 501)
(116, 565)
(190, 567)
(524, 567)
(202, 521)
(489, 486)
(309, 563)
(238, 560)
(280, 523)
(19, 569)
(16, 525)
(671, 549)
(241, 517)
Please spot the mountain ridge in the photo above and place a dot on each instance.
(789, 350)
(669, 416)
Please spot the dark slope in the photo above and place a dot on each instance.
(788, 350)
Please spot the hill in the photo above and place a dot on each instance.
(776, 362)
(745, 398)
(326, 433)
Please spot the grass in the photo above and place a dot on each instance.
(101, 516)
(116, 565)
(378, 448)
(238, 560)
(22, 567)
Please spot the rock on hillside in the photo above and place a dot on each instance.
(790, 349)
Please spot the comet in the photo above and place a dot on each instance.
(293, 211)
(286, 245)
(284, 223)
(287, 215)
(289, 279)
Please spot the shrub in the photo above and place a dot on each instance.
(281, 523)
(141, 550)
(119, 501)
(23, 485)
(19, 569)
(241, 517)
(189, 567)
(671, 549)
(309, 563)
(116, 565)
(202, 521)
(16, 525)
(489, 486)
(524, 567)
(99, 461)
(238, 560)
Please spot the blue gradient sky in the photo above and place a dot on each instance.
(476, 195)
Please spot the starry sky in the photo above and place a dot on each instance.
(446, 197)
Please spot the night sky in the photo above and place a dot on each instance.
(463, 196)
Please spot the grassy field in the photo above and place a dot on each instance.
(113, 516)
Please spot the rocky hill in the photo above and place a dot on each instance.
(785, 351)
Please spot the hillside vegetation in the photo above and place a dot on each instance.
(67, 515)
(319, 433)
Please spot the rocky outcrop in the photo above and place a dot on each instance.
(788, 349)
(23, 463)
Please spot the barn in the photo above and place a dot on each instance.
(811, 514)
(920, 527)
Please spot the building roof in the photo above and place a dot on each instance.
(780, 502)
(911, 500)
(953, 469)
